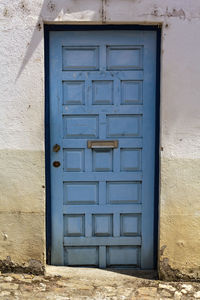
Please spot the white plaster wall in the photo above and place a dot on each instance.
(22, 180)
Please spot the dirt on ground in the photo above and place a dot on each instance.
(63, 283)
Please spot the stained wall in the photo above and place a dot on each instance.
(22, 158)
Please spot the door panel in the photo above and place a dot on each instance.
(102, 88)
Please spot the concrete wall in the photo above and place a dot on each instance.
(22, 173)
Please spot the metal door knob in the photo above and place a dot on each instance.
(56, 164)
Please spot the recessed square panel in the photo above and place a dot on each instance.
(81, 256)
(102, 92)
(73, 160)
(80, 126)
(124, 57)
(123, 256)
(130, 224)
(73, 92)
(102, 160)
(124, 125)
(80, 192)
(80, 58)
(102, 225)
(74, 225)
(123, 192)
(130, 159)
(131, 92)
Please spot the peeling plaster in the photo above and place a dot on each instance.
(104, 4)
(33, 266)
(167, 273)
(174, 13)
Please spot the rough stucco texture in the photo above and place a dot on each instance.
(22, 180)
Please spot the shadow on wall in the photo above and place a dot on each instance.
(50, 11)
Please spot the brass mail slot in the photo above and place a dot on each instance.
(102, 144)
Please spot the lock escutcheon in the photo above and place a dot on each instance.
(56, 148)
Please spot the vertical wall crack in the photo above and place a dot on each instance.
(104, 11)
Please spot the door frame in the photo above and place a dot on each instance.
(47, 29)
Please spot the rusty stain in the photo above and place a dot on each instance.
(24, 7)
(6, 12)
(51, 6)
(103, 12)
(39, 26)
(155, 12)
(37, 59)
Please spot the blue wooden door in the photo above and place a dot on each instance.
(102, 124)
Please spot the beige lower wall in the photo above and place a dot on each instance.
(22, 211)
(22, 242)
(22, 181)
(179, 219)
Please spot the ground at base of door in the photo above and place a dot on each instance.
(63, 283)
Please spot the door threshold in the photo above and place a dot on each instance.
(66, 271)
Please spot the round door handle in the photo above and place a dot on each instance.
(56, 164)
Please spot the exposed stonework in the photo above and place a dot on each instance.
(33, 266)
(169, 274)
(76, 283)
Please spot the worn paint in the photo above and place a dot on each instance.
(22, 123)
(113, 170)
(23, 247)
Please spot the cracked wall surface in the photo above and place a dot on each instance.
(22, 173)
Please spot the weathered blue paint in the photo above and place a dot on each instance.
(102, 87)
